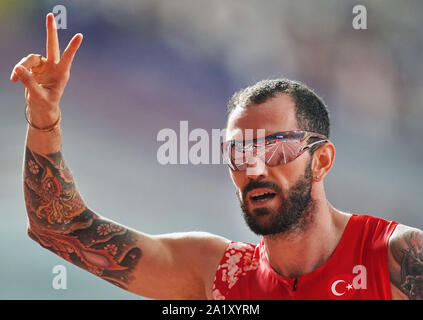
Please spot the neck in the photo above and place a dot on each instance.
(303, 251)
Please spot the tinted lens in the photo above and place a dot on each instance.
(274, 154)
(226, 153)
(282, 152)
(231, 156)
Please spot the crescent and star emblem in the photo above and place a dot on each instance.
(335, 283)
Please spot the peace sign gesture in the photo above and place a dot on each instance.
(45, 78)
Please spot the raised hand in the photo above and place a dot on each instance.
(45, 78)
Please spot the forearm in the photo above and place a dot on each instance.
(40, 141)
(60, 221)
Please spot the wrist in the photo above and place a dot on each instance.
(43, 121)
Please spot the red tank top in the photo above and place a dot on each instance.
(358, 269)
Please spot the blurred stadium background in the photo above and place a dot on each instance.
(146, 65)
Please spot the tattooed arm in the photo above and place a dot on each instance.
(60, 221)
(166, 266)
(405, 255)
(169, 266)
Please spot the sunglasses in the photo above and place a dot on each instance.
(275, 149)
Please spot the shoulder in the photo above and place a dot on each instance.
(405, 258)
(404, 241)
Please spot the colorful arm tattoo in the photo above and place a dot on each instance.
(60, 222)
(408, 252)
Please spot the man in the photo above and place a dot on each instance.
(309, 249)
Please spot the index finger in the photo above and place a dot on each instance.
(52, 45)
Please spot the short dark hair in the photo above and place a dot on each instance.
(311, 112)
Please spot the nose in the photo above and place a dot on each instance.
(256, 167)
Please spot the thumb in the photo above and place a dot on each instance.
(27, 79)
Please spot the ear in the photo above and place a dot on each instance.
(323, 161)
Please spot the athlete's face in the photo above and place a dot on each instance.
(273, 199)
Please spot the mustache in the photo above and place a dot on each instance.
(254, 184)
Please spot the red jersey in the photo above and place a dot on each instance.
(358, 269)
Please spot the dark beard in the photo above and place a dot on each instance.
(293, 214)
